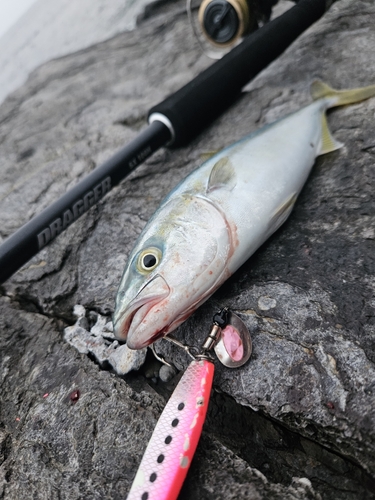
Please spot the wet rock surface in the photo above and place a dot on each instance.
(298, 420)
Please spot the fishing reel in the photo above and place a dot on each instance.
(219, 25)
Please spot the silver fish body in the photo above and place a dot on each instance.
(216, 218)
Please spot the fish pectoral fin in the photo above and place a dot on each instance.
(282, 213)
(320, 90)
(328, 143)
(222, 175)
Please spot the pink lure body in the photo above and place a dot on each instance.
(173, 443)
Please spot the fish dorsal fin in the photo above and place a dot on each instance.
(222, 175)
(207, 155)
(328, 143)
(282, 213)
(320, 89)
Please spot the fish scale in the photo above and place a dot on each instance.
(173, 443)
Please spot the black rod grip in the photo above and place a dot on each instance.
(44, 227)
(196, 104)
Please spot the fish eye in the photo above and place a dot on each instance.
(148, 259)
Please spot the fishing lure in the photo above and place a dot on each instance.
(173, 443)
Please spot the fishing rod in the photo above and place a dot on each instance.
(173, 122)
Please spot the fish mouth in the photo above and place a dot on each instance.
(128, 324)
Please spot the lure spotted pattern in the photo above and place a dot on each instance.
(173, 443)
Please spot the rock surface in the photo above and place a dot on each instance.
(304, 406)
(54, 29)
(99, 343)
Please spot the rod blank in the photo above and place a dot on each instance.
(44, 227)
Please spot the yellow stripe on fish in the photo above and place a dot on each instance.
(216, 218)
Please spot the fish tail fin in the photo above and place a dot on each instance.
(320, 90)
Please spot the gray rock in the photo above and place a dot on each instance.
(124, 360)
(54, 29)
(166, 373)
(102, 327)
(152, 369)
(304, 405)
(100, 344)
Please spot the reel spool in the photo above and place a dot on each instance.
(219, 25)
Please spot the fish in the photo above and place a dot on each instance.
(219, 215)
